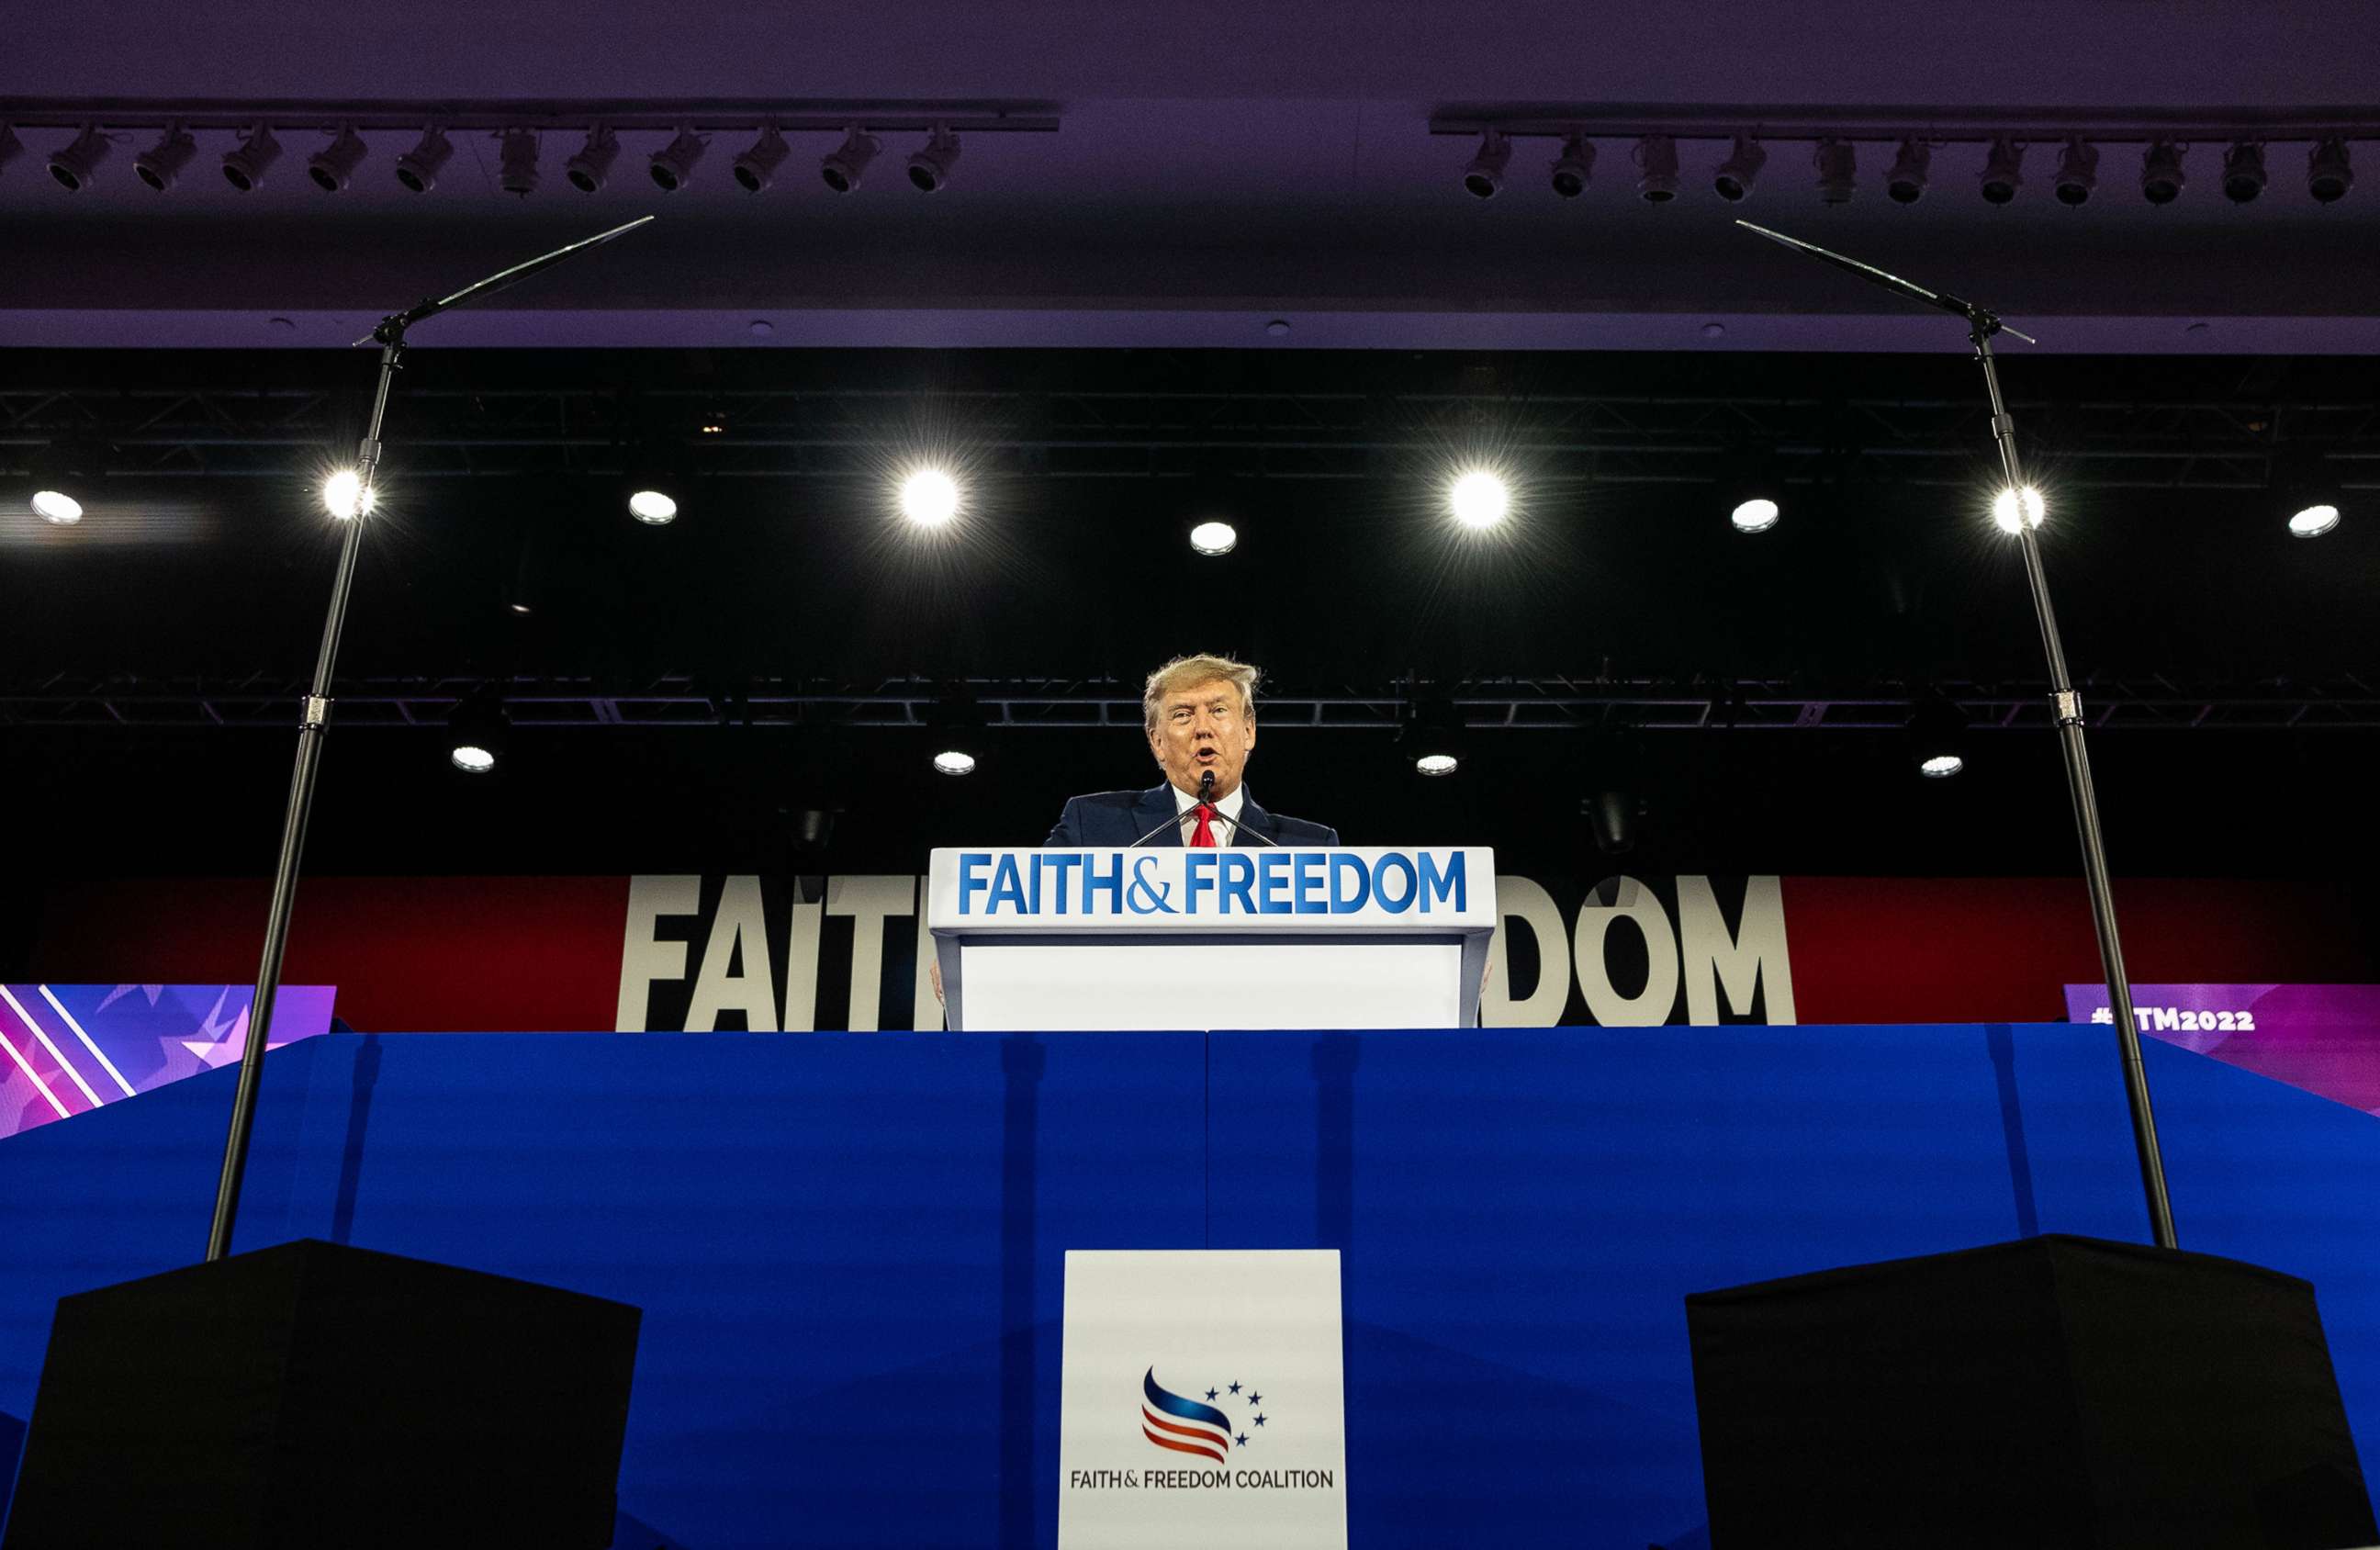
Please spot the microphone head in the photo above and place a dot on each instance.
(1205, 785)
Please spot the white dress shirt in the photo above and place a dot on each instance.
(1225, 833)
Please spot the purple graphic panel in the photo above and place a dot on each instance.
(2325, 1038)
(66, 1049)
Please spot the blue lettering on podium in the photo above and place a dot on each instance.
(1239, 871)
(1199, 878)
(1308, 867)
(1349, 869)
(1005, 884)
(971, 863)
(1272, 882)
(1059, 867)
(1112, 884)
(1433, 884)
(1380, 870)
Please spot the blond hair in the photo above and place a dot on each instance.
(1185, 673)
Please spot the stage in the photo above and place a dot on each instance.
(849, 1246)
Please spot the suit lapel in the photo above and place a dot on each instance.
(1254, 819)
(1154, 807)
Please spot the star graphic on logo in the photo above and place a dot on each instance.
(1242, 1439)
(1256, 1398)
(1235, 1388)
(1211, 1394)
(1259, 1421)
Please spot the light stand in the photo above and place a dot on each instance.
(2066, 709)
(315, 722)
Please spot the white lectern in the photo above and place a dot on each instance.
(1238, 938)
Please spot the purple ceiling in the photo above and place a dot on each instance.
(1219, 167)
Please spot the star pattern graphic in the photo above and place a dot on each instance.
(1211, 1394)
(1260, 1421)
(1242, 1439)
(1256, 1398)
(1235, 1388)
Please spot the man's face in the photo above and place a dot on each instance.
(1203, 727)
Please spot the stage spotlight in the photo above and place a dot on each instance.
(1573, 167)
(2005, 504)
(1479, 499)
(73, 165)
(930, 168)
(516, 161)
(1837, 164)
(2243, 172)
(675, 162)
(929, 497)
(2077, 173)
(590, 166)
(952, 761)
(2161, 172)
(1905, 183)
(843, 167)
(756, 168)
(344, 495)
(245, 168)
(162, 163)
(1658, 155)
(1432, 735)
(332, 168)
(1486, 173)
(418, 168)
(56, 507)
(1736, 176)
(478, 728)
(2328, 173)
(1756, 515)
(2003, 171)
(1214, 538)
(1937, 737)
(2313, 522)
(1437, 764)
(652, 507)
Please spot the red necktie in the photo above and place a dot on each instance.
(1206, 833)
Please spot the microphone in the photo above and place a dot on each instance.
(1207, 799)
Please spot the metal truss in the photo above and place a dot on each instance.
(2334, 703)
(841, 434)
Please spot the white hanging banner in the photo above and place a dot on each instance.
(1203, 1401)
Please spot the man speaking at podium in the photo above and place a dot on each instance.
(1200, 714)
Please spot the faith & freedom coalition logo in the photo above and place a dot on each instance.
(1230, 1419)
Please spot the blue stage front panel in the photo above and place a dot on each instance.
(850, 1247)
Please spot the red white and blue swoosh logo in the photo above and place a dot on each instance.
(1183, 1425)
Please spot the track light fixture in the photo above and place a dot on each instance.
(73, 165)
(756, 167)
(2328, 173)
(245, 167)
(1837, 164)
(516, 161)
(930, 169)
(332, 168)
(2243, 172)
(1658, 156)
(675, 162)
(843, 167)
(590, 166)
(2003, 171)
(2161, 174)
(2078, 171)
(162, 163)
(1905, 183)
(1486, 173)
(1573, 167)
(418, 168)
(1736, 176)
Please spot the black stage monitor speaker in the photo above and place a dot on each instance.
(311, 1394)
(2051, 1393)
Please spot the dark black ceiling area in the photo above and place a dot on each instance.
(681, 694)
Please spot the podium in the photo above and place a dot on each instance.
(1254, 936)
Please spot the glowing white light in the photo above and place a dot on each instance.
(57, 1056)
(345, 494)
(1941, 767)
(929, 497)
(1214, 538)
(96, 1052)
(952, 762)
(472, 759)
(1754, 516)
(57, 506)
(2314, 521)
(1437, 764)
(32, 1076)
(2004, 506)
(651, 505)
(1479, 499)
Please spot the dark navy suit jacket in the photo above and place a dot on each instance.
(1118, 818)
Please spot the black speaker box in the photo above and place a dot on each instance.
(312, 1395)
(2049, 1393)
